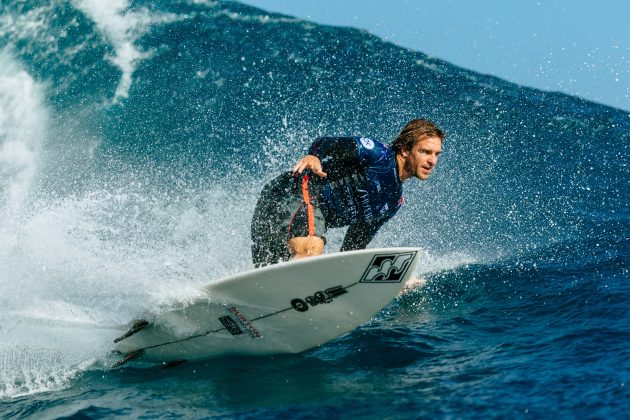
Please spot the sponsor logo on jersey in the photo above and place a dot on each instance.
(388, 268)
(367, 143)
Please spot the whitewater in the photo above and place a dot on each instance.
(135, 138)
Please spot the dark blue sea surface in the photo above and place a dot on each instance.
(135, 137)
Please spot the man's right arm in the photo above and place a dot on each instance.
(338, 155)
(359, 235)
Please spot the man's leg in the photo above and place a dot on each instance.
(268, 227)
(312, 220)
(280, 213)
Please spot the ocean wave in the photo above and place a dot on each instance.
(135, 138)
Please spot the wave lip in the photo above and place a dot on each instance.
(122, 27)
(162, 136)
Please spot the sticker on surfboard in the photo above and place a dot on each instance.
(236, 323)
(318, 298)
(387, 268)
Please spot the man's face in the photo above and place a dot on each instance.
(422, 158)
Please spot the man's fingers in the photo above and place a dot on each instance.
(299, 167)
(309, 162)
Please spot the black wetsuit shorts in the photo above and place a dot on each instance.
(281, 214)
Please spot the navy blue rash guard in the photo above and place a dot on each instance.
(362, 188)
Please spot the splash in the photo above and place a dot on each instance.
(23, 128)
(30, 369)
(109, 211)
(86, 264)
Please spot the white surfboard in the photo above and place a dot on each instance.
(283, 308)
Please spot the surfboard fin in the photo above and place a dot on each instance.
(174, 363)
(137, 326)
(129, 356)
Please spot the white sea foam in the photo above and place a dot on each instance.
(429, 263)
(122, 27)
(74, 267)
(85, 264)
(43, 362)
(23, 128)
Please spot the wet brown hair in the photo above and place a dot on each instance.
(413, 132)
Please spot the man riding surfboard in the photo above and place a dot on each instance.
(342, 181)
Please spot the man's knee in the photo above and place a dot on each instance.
(306, 246)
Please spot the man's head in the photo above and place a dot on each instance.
(417, 149)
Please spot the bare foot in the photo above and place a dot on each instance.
(413, 283)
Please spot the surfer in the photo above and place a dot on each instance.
(342, 181)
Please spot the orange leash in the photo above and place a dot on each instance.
(309, 206)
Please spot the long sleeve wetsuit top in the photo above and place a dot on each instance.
(363, 188)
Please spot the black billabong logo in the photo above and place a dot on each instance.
(318, 298)
(388, 268)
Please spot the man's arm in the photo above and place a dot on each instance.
(359, 235)
(338, 155)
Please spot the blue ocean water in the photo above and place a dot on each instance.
(135, 137)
